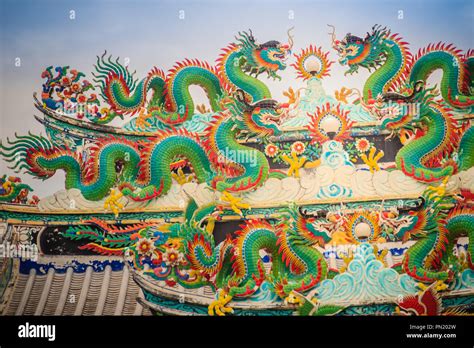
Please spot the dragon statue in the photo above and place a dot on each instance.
(396, 68)
(332, 224)
(171, 102)
(437, 228)
(434, 133)
(143, 171)
(427, 156)
(233, 267)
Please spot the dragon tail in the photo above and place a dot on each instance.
(93, 175)
(248, 271)
(103, 238)
(204, 256)
(122, 91)
(17, 153)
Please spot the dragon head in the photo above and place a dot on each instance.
(358, 52)
(311, 226)
(268, 57)
(261, 118)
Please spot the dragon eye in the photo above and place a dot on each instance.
(351, 50)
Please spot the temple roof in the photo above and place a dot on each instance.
(93, 292)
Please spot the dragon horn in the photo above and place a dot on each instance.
(290, 38)
(333, 37)
(251, 37)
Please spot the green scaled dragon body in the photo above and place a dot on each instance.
(143, 171)
(171, 102)
(438, 228)
(399, 79)
(187, 254)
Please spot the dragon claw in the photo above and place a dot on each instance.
(219, 307)
(441, 285)
(347, 260)
(181, 178)
(291, 95)
(112, 202)
(342, 95)
(293, 298)
(372, 160)
(295, 163)
(436, 193)
(380, 256)
(235, 203)
(312, 164)
(142, 119)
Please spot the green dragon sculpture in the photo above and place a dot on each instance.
(426, 157)
(396, 68)
(143, 171)
(234, 267)
(171, 102)
(437, 229)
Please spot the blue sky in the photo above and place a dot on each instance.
(150, 33)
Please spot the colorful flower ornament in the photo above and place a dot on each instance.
(172, 257)
(145, 246)
(271, 150)
(362, 145)
(65, 81)
(76, 87)
(298, 147)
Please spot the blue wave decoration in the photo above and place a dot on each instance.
(365, 280)
(334, 155)
(334, 190)
(198, 123)
(464, 281)
(78, 267)
(265, 294)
